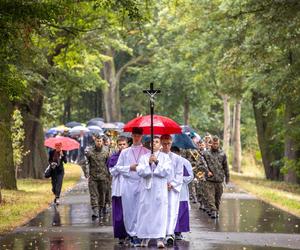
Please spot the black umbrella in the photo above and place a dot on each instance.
(183, 141)
(73, 124)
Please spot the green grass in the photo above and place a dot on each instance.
(32, 197)
(278, 193)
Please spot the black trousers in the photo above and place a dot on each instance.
(57, 180)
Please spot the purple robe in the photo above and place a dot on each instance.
(183, 220)
(117, 210)
(112, 161)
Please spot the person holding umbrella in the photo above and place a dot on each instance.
(153, 209)
(126, 166)
(57, 158)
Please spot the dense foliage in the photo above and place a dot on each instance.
(82, 59)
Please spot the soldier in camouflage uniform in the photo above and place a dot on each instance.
(217, 170)
(191, 156)
(96, 171)
(199, 172)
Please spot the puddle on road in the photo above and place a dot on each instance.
(69, 225)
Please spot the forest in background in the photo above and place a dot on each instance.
(227, 67)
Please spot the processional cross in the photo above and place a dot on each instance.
(151, 92)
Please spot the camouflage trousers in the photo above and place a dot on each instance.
(98, 190)
(202, 192)
(193, 190)
(214, 194)
(108, 194)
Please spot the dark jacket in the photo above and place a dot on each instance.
(55, 157)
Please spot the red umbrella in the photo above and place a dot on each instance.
(161, 125)
(67, 143)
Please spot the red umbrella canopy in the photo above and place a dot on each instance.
(161, 125)
(67, 143)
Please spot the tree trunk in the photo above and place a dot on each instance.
(35, 161)
(226, 133)
(110, 94)
(237, 150)
(186, 111)
(7, 168)
(269, 144)
(98, 104)
(67, 110)
(232, 125)
(291, 146)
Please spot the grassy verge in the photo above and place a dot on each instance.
(32, 197)
(280, 194)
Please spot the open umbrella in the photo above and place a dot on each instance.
(187, 129)
(67, 143)
(95, 129)
(77, 130)
(120, 125)
(95, 123)
(183, 141)
(97, 119)
(161, 125)
(109, 126)
(51, 131)
(73, 124)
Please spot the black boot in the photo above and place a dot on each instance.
(95, 214)
(214, 215)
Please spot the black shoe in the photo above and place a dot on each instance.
(122, 241)
(170, 240)
(214, 215)
(104, 210)
(56, 201)
(95, 214)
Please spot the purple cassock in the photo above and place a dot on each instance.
(117, 210)
(183, 220)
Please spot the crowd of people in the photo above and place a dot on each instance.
(150, 193)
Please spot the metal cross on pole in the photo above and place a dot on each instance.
(151, 92)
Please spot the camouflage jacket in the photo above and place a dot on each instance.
(95, 164)
(217, 164)
(197, 161)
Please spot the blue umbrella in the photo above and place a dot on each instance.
(51, 131)
(183, 141)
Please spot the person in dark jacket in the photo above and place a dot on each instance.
(57, 158)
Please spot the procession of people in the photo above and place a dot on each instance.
(149, 186)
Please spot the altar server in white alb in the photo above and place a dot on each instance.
(153, 210)
(183, 220)
(126, 165)
(175, 181)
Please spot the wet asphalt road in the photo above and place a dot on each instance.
(245, 223)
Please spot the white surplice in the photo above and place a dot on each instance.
(176, 180)
(153, 209)
(184, 193)
(130, 185)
